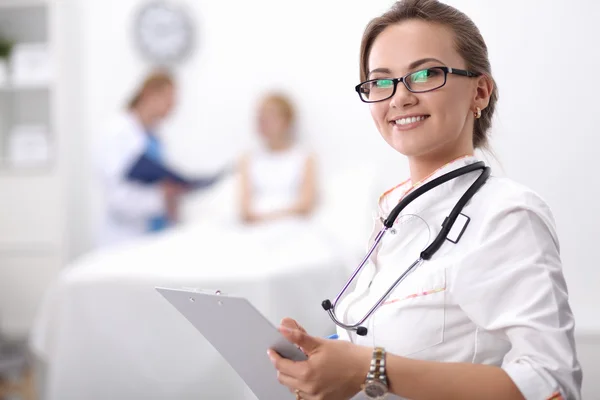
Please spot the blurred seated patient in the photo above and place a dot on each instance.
(141, 191)
(278, 180)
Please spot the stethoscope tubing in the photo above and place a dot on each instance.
(425, 254)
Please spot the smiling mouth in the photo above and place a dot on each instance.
(409, 120)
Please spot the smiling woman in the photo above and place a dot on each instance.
(456, 33)
(457, 326)
(430, 82)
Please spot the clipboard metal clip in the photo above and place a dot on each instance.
(205, 291)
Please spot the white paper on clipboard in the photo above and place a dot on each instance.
(219, 318)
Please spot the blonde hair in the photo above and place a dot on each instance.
(283, 102)
(153, 82)
(468, 41)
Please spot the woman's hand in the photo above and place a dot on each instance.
(254, 218)
(172, 193)
(335, 370)
(292, 324)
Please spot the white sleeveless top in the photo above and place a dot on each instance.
(276, 177)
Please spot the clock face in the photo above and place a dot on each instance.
(164, 32)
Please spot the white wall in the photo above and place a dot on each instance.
(544, 55)
(258, 46)
(545, 134)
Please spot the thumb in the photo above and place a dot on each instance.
(291, 324)
(309, 344)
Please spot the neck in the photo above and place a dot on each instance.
(279, 145)
(145, 117)
(423, 167)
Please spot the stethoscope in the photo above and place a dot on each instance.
(425, 254)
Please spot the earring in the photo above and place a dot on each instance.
(477, 113)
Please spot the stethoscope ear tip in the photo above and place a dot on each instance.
(361, 331)
(326, 304)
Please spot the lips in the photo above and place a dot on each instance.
(410, 119)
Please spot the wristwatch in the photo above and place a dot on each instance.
(376, 385)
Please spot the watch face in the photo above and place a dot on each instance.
(375, 390)
(163, 32)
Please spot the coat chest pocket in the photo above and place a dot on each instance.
(413, 320)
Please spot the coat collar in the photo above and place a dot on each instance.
(389, 199)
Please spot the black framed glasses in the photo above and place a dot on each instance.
(421, 81)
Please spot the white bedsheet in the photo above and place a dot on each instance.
(106, 334)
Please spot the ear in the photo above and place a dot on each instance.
(483, 91)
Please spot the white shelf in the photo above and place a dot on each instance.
(33, 234)
(22, 3)
(28, 87)
(8, 171)
(27, 249)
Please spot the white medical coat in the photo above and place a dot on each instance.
(496, 297)
(127, 206)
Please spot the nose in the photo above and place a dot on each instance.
(403, 97)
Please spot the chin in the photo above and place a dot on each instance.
(408, 148)
(418, 143)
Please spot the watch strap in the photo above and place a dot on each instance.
(377, 370)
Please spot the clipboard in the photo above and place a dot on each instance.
(240, 333)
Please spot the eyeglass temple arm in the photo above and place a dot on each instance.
(461, 72)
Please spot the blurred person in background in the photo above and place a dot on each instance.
(141, 192)
(278, 180)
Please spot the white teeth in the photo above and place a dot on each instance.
(409, 120)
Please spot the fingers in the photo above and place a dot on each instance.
(285, 366)
(309, 344)
(292, 324)
(288, 379)
(295, 375)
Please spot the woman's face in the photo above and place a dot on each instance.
(443, 118)
(273, 124)
(162, 101)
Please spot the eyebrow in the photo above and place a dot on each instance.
(422, 61)
(381, 70)
(412, 65)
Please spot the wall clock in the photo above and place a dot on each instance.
(164, 32)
